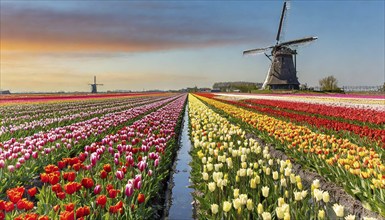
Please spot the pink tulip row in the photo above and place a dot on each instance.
(14, 153)
(17, 114)
(139, 146)
(82, 114)
(44, 105)
(149, 136)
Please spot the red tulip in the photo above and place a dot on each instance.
(9, 206)
(44, 178)
(71, 187)
(51, 168)
(65, 215)
(32, 191)
(69, 207)
(107, 168)
(15, 194)
(61, 195)
(57, 188)
(87, 183)
(103, 174)
(53, 178)
(101, 200)
(141, 198)
(112, 193)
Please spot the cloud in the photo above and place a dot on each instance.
(119, 27)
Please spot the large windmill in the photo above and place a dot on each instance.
(282, 73)
(94, 86)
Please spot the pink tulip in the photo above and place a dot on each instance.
(11, 168)
(94, 158)
(119, 174)
(2, 163)
(97, 189)
(129, 189)
(142, 165)
(138, 181)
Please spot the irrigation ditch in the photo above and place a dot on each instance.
(178, 194)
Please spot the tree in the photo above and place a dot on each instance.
(329, 84)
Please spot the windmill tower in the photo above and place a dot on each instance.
(94, 86)
(282, 73)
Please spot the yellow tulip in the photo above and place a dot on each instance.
(260, 208)
(226, 206)
(214, 208)
(265, 191)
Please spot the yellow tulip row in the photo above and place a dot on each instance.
(357, 160)
(238, 179)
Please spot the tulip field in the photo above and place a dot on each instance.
(241, 180)
(99, 159)
(253, 156)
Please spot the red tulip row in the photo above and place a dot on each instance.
(114, 178)
(363, 115)
(363, 131)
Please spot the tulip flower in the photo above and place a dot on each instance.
(321, 214)
(350, 217)
(214, 208)
(129, 190)
(212, 186)
(260, 208)
(97, 189)
(141, 198)
(325, 197)
(226, 206)
(266, 216)
(265, 191)
(338, 209)
(101, 200)
(137, 181)
(87, 183)
(32, 191)
(119, 174)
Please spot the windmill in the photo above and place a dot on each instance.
(282, 73)
(94, 86)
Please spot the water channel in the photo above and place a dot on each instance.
(181, 197)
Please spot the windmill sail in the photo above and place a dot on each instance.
(281, 21)
(256, 51)
(298, 42)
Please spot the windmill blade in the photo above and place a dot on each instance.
(298, 42)
(284, 8)
(256, 51)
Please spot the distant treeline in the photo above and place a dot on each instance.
(234, 86)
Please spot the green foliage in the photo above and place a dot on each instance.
(330, 84)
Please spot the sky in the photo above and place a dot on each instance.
(49, 46)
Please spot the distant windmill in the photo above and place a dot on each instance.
(94, 86)
(282, 73)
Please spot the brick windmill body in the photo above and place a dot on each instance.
(282, 73)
